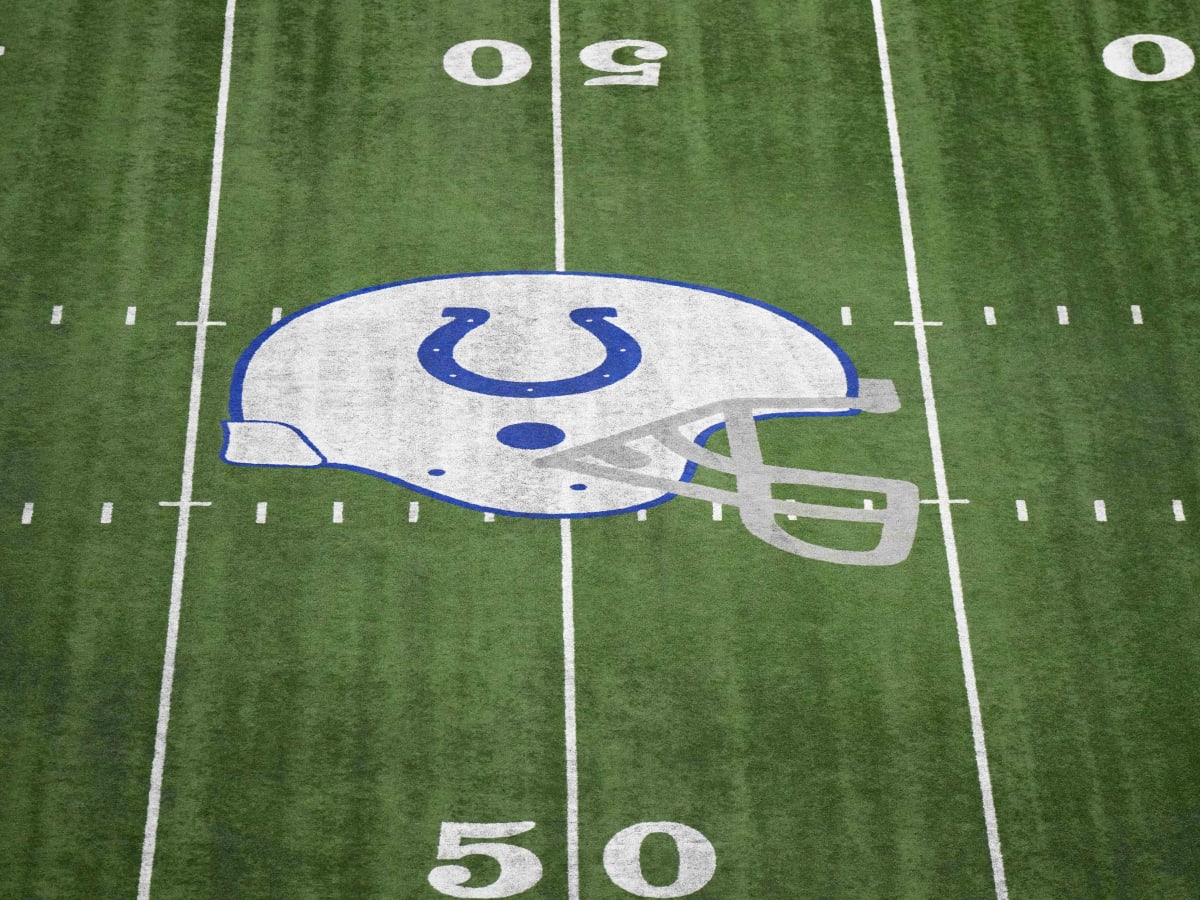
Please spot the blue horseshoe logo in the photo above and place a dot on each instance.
(622, 355)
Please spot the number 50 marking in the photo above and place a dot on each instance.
(515, 62)
(520, 869)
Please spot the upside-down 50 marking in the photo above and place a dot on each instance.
(516, 63)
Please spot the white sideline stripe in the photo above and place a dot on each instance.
(1176, 507)
(989, 315)
(939, 463)
(568, 590)
(131, 315)
(489, 517)
(1063, 317)
(106, 514)
(572, 750)
(337, 512)
(718, 512)
(56, 315)
(1136, 312)
(847, 319)
(414, 511)
(1101, 511)
(1022, 511)
(641, 515)
(276, 314)
(260, 513)
(150, 836)
(27, 513)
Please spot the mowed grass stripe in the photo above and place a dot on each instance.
(381, 676)
(322, 736)
(102, 160)
(944, 499)
(1040, 181)
(808, 719)
(184, 504)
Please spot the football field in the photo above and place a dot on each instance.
(591, 450)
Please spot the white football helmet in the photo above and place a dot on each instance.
(551, 394)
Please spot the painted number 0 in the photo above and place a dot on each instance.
(623, 860)
(515, 62)
(520, 869)
(1178, 58)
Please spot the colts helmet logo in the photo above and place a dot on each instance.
(553, 395)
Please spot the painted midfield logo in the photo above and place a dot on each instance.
(557, 395)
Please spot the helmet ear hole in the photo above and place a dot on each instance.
(531, 435)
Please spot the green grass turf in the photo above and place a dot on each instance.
(104, 157)
(344, 689)
(1041, 179)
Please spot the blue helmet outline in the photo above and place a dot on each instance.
(243, 364)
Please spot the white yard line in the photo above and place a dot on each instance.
(27, 513)
(1022, 511)
(339, 509)
(185, 502)
(568, 588)
(1136, 312)
(1176, 508)
(131, 315)
(414, 511)
(276, 314)
(939, 463)
(1101, 511)
(717, 512)
(56, 315)
(847, 317)
(560, 227)
(260, 513)
(989, 315)
(572, 755)
(1064, 317)
(106, 510)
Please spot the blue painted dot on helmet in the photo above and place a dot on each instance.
(530, 435)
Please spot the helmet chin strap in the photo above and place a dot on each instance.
(613, 458)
